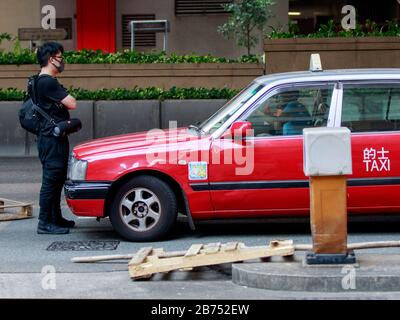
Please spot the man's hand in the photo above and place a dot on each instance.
(69, 102)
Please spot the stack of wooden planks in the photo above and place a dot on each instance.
(7, 206)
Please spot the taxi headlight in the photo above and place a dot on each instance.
(77, 169)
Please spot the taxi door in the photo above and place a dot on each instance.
(372, 112)
(263, 174)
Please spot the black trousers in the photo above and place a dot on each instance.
(53, 154)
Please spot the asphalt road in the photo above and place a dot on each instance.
(23, 253)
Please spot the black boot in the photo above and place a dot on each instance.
(50, 228)
(58, 219)
(64, 223)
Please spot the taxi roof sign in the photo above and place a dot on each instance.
(315, 63)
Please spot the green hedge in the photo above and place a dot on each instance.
(89, 56)
(152, 93)
(11, 94)
(332, 29)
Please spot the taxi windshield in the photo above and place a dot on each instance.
(223, 114)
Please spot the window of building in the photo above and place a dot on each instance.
(146, 39)
(289, 112)
(374, 108)
(199, 7)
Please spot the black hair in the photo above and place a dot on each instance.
(47, 50)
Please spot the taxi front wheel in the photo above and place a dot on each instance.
(144, 209)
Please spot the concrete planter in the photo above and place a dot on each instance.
(13, 139)
(96, 76)
(187, 112)
(283, 55)
(119, 117)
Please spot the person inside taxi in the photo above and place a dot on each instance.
(287, 114)
(292, 116)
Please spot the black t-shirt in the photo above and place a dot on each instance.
(50, 93)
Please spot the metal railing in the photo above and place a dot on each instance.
(149, 25)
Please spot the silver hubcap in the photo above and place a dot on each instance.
(140, 209)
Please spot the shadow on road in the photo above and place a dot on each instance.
(383, 224)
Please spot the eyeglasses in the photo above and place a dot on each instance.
(60, 58)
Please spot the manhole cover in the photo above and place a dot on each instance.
(93, 245)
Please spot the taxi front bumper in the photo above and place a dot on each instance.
(87, 198)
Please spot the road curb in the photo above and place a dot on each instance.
(373, 272)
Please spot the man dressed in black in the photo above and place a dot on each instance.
(53, 98)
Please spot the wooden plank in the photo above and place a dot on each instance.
(156, 265)
(13, 201)
(212, 248)
(13, 216)
(356, 246)
(172, 254)
(159, 253)
(102, 258)
(280, 243)
(230, 246)
(140, 256)
(193, 250)
(186, 269)
(26, 210)
(11, 206)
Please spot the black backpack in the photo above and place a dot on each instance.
(28, 114)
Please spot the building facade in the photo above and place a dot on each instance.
(102, 24)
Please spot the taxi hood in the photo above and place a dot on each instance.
(135, 141)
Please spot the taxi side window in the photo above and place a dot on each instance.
(373, 108)
(289, 112)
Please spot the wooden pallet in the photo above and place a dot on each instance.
(24, 212)
(148, 261)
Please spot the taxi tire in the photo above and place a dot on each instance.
(168, 215)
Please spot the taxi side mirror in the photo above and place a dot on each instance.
(239, 130)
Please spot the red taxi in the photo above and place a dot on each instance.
(246, 160)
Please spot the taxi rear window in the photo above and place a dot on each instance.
(371, 108)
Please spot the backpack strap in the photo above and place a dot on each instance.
(33, 88)
(44, 114)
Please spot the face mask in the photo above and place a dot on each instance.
(61, 67)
